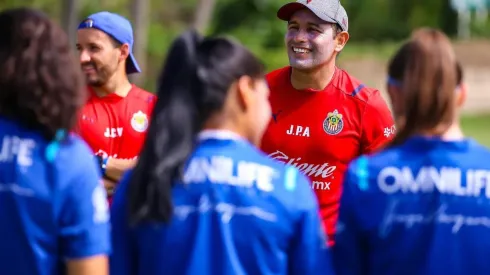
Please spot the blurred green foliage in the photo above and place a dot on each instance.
(477, 127)
(375, 26)
(373, 23)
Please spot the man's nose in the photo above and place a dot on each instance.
(300, 36)
(84, 57)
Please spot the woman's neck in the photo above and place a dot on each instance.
(453, 133)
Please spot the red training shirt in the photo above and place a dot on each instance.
(320, 132)
(115, 126)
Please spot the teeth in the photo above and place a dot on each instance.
(300, 50)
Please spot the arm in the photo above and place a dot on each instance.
(350, 250)
(115, 168)
(123, 256)
(377, 124)
(309, 253)
(84, 221)
(96, 265)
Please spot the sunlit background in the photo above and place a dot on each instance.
(376, 26)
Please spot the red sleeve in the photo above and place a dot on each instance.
(377, 124)
(152, 105)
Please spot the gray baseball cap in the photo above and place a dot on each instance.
(328, 10)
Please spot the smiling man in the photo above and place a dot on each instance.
(322, 117)
(115, 119)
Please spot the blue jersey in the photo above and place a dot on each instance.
(236, 211)
(419, 208)
(50, 211)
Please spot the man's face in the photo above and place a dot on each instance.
(99, 57)
(310, 41)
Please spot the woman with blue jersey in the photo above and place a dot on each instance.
(422, 205)
(54, 217)
(202, 198)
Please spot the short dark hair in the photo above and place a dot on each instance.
(193, 86)
(429, 73)
(336, 29)
(115, 43)
(40, 80)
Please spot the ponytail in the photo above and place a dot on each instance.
(193, 86)
(170, 139)
(425, 69)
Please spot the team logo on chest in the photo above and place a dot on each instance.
(333, 123)
(139, 122)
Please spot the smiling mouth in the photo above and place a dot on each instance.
(300, 50)
(88, 69)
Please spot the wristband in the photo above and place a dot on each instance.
(103, 165)
(100, 163)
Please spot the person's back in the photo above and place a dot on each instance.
(202, 198)
(234, 213)
(39, 199)
(53, 213)
(422, 205)
(432, 202)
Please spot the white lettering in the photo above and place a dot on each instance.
(323, 171)
(320, 185)
(13, 146)
(224, 170)
(113, 132)
(396, 214)
(298, 130)
(104, 154)
(227, 211)
(388, 131)
(447, 180)
(312, 170)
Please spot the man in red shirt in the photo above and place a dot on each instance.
(115, 119)
(322, 117)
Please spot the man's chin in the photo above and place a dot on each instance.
(303, 66)
(94, 82)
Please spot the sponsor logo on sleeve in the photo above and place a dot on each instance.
(389, 131)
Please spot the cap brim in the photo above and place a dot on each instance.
(286, 11)
(132, 66)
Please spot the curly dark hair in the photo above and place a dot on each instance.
(40, 80)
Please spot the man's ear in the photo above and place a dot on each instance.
(341, 39)
(124, 51)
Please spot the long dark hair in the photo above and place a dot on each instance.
(40, 80)
(427, 71)
(193, 85)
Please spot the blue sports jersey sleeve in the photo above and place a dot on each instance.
(309, 251)
(123, 257)
(84, 213)
(349, 255)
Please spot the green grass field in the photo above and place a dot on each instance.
(477, 127)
